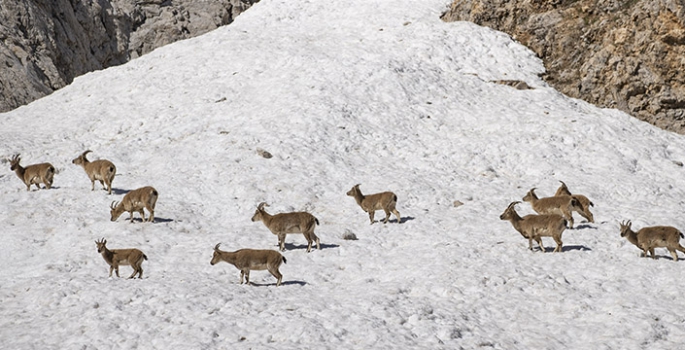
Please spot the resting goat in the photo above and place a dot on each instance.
(385, 201)
(251, 259)
(284, 223)
(33, 174)
(102, 170)
(562, 205)
(584, 202)
(648, 238)
(533, 227)
(136, 200)
(116, 257)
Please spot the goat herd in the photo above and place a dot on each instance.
(554, 216)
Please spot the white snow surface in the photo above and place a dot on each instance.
(341, 92)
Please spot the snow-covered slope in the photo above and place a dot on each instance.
(340, 92)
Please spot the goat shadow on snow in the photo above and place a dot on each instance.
(43, 188)
(568, 248)
(583, 226)
(404, 219)
(283, 283)
(119, 191)
(291, 246)
(157, 219)
(659, 257)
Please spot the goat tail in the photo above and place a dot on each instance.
(144, 256)
(284, 260)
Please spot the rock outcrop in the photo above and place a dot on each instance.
(45, 44)
(625, 54)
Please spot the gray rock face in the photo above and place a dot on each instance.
(45, 44)
(618, 54)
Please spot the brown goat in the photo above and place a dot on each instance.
(562, 205)
(33, 174)
(116, 257)
(102, 170)
(533, 227)
(284, 223)
(385, 201)
(584, 208)
(136, 200)
(251, 259)
(648, 238)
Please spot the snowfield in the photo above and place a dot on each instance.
(381, 93)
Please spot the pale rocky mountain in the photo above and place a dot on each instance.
(45, 44)
(618, 54)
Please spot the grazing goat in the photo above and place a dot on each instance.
(116, 257)
(584, 202)
(33, 174)
(102, 170)
(562, 205)
(284, 223)
(251, 259)
(385, 201)
(136, 200)
(648, 238)
(533, 227)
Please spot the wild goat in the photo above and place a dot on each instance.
(284, 223)
(534, 227)
(33, 174)
(584, 202)
(377, 201)
(102, 170)
(116, 257)
(251, 259)
(648, 238)
(562, 205)
(136, 200)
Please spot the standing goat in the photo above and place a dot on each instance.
(284, 223)
(648, 238)
(385, 201)
(562, 205)
(136, 200)
(251, 259)
(533, 227)
(116, 257)
(102, 170)
(584, 202)
(33, 174)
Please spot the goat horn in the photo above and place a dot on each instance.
(512, 204)
(217, 246)
(262, 205)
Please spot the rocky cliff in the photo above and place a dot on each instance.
(626, 54)
(45, 44)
